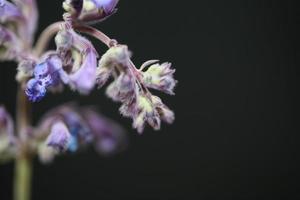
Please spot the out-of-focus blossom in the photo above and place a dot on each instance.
(90, 11)
(9, 44)
(59, 137)
(9, 12)
(109, 137)
(7, 139)
(18, 21)
(69, 128)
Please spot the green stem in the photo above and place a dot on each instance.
(23, 168)
(22, 181)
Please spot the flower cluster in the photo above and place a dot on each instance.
(130, 87)
(75, 63)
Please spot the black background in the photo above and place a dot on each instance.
(234, 136)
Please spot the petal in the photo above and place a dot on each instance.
(84, 79)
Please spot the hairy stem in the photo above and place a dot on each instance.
(23, 168)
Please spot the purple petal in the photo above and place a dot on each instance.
(107, 5)
(84, 79)
(59, 137)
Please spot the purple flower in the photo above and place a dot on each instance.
(84, 78)
(71, 128)
(90, 11)
(59, 137)
(108, 6)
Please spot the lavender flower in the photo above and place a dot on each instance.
(59, 137)
(71, 127)
(109, 137)
(90, 11)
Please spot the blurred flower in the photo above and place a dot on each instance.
(59, 137)
(69, 128)
(7, 138)
(109, 137)
(9, 44)
(17, 26)
(90, 11)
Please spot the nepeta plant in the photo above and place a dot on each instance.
(74, 63)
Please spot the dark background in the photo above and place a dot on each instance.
(235, 135)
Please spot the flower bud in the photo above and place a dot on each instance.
(122, 89)
(160, 77)
(118, 55)
(25, 70)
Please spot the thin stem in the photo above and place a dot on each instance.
(51, 30)
(23, 168)
(45, 38)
